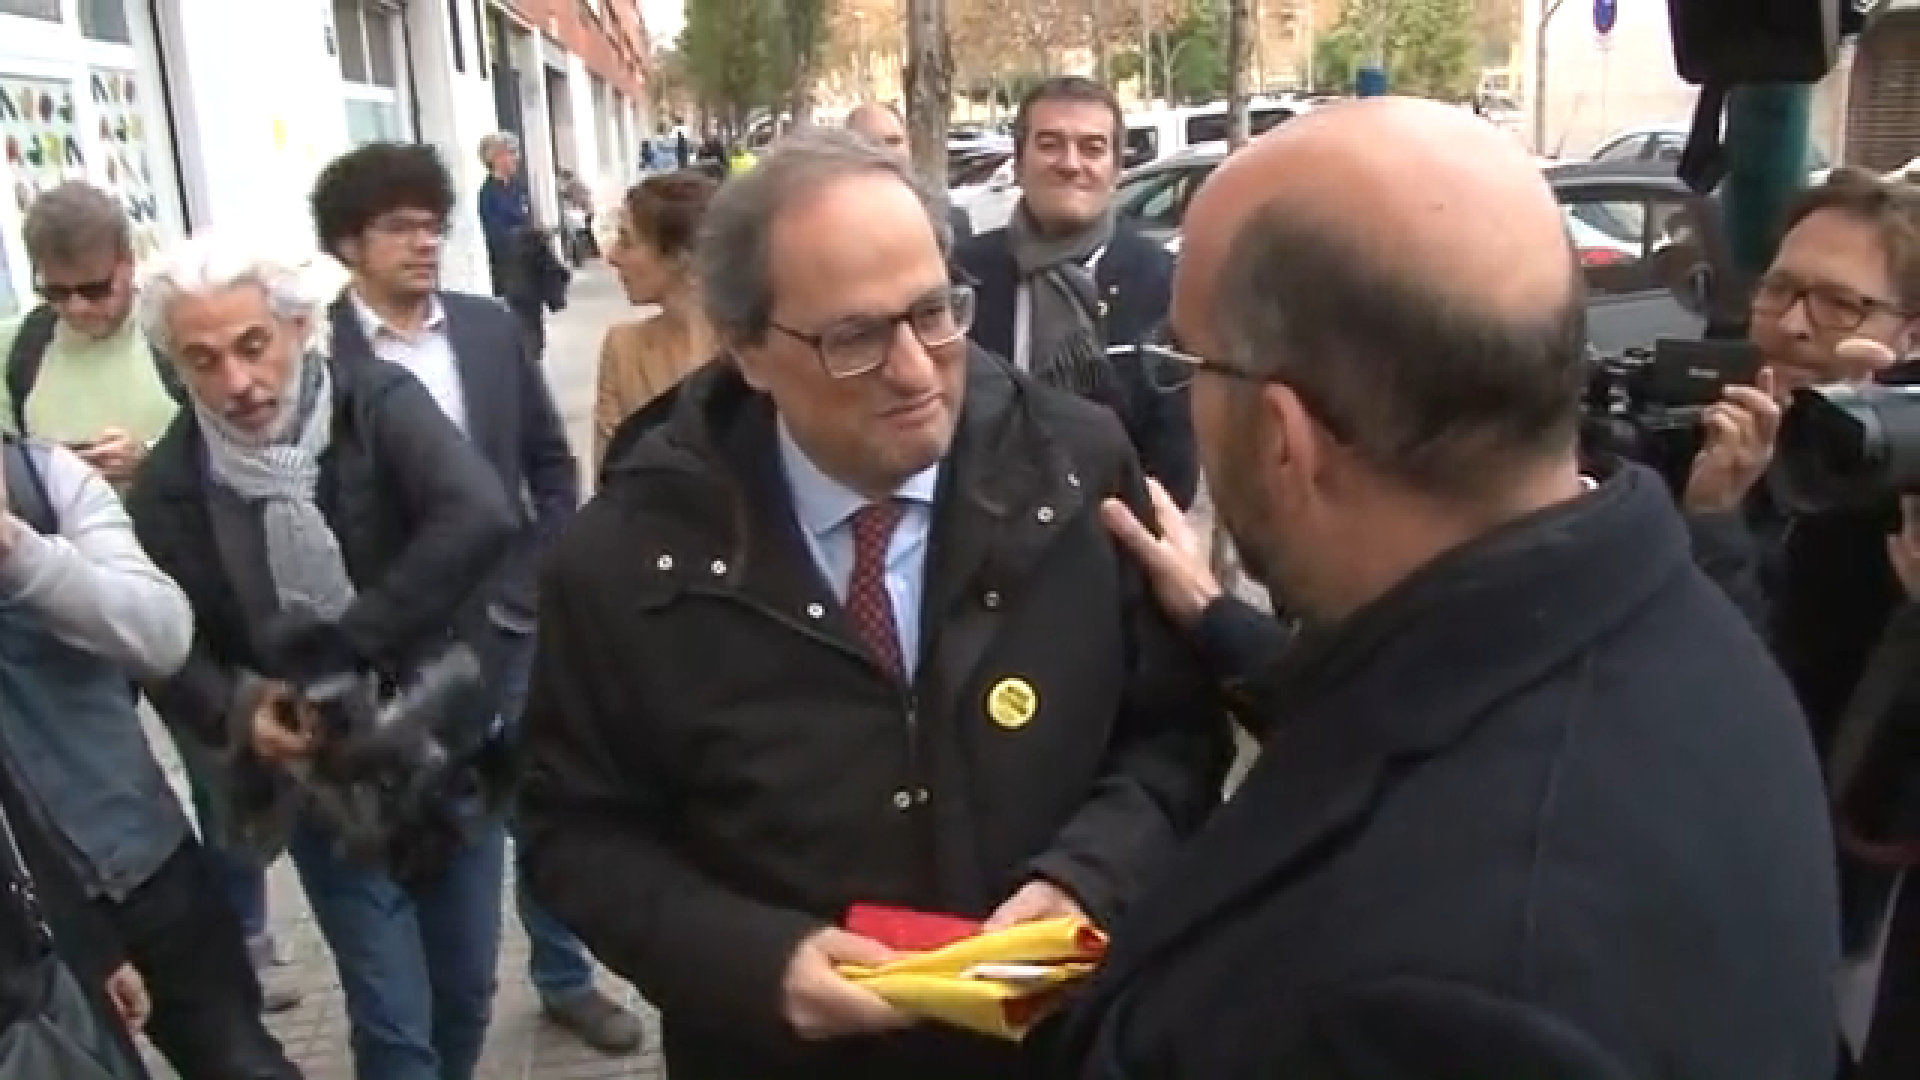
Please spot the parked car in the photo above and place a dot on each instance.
(1652, 250)
(1662, 144)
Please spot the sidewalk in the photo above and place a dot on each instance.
(521, 1044)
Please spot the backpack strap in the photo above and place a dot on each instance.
(29, 351)
(27, 495)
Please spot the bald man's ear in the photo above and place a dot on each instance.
(1290, 429)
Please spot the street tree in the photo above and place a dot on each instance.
(1187, 63)
(730, 63)
(1239, 70)
(929, 78)
(1430, 47)
(802, 35)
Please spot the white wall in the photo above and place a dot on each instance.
(1596, 87)
(456, 112)
(529, 62)
(588, 150)
(263, 121)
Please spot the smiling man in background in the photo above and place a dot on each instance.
(1066, 280)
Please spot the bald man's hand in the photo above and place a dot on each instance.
(1176, 561)
(1740, 430)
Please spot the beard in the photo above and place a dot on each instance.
(1243, 509)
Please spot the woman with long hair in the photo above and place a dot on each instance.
(653, 253)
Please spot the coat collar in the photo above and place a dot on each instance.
(718, 507)
(488, 419)
(1408, 676)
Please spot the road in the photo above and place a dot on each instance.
(521, 1044)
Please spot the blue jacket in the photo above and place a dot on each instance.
(73, 731)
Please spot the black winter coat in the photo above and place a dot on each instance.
(717, 767)
(1546, 811)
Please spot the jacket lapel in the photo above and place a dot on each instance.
(1005, 494)
(486, 384)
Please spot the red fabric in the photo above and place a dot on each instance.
(868, 604)
(908, 931)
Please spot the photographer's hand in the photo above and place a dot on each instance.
(1740, 430)
(274, 738)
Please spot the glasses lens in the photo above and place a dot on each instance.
(943, 320)
(855, 348)
(1168, 368)
(1835, 313)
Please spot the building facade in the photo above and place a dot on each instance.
(218, 114)
(1882, 90)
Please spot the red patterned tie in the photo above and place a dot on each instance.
(868, 603)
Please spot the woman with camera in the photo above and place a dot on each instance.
(335, 535)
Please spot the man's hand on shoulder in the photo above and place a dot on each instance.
(1176, 561)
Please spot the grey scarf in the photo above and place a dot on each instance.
(1066, 343)
(279, 478)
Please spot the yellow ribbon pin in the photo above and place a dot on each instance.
(1012, 703)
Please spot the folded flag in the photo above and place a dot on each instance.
(999, 984)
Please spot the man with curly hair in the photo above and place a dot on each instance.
(382, 210)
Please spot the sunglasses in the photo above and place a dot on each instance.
(93, 292)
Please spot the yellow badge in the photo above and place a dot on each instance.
(1012, 703)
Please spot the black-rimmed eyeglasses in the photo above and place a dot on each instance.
(854, 346)
(1830, 308)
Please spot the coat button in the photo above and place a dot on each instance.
(991, 599)
(921, 795)
(815, 611)
(1044, 514)
(903, 799)
(718, 566)
(664, 562)
(1073, 479)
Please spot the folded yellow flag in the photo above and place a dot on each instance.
(998, 984)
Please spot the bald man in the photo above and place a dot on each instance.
(1542, 807)
(883, 125)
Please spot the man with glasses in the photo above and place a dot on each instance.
(1841, 303)
(78, 370)
(847, 630)
(382, 211)
(1538, 804)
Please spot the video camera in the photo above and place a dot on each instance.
(1850, 445)
(386, 754)
(1646, 404)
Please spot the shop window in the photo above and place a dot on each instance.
(32, 9)
(105, 20)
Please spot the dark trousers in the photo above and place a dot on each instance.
(533, 320)
(183, 935)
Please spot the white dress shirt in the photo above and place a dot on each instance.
(428, 355)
